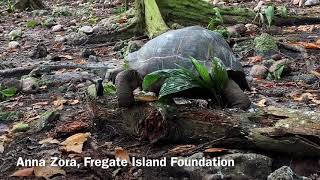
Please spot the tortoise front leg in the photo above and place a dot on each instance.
(126, 82)
(235, 96)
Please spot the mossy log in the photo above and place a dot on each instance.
(288, 133)
(153, 17)
(29, 4)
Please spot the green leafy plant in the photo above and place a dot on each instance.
(283, 11)
(93, 20)
(7, 92)
(31, 24)
(109, 88)
(223, 32)
(10, 7)
(269, 13)
(49, 22)
(181, 79)
(276, 75)
(62, 11)
(216, 20)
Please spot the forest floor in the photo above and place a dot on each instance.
(25, 132)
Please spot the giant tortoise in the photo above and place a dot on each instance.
(174, 48)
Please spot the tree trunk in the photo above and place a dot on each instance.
(264, 131)
(29, 4)
(152, 17)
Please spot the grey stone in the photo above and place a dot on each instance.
(285, 173)
(246, 166)
(306, 78)
(57, 28)
(93, 58)
(13, 44)
(29, 85)
(60, 39)
(86, 29)
(76, 38)
(311, 2)
(259, 71)
(40, 51)
(87, 52)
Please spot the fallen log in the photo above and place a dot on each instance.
(153, 17)
(238, 130)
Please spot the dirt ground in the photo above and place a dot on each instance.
(66, 89)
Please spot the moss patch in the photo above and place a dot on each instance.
(265, 44)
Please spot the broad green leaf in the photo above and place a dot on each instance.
(219, 74)
(202, 70)
(153, 77)
(269, 12)
(176, 84)
(9, 92)
(109, 88)
(277, 73)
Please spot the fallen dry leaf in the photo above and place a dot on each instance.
(262, 103)
(305, 97)
(213, 150)
(80, 61)
(74, 143)
(254, 59)
(182, 148)
(59, 103)
(23, 172)
(307, 45)
(48, 171)
(122, 154)
(49, 140)
(315, 73)
(73, 102)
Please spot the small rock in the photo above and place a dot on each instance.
(29, 85)
(1, 29)
(252, 28)
(236, 30)
(76, 38)
(276, 57)
(96, 29)
(13, 45)
(93, 58)
(17, 33)
(86, 29)
(60, 39)
(57, 28)
(87, 52)
(73, 22)
(138, 173)
(284, 62)
(259, 71)
(40, 12)
(311, 2)
(268, 62)
(40, 51)
(11, 82)
(285, 173)
(306, 78)
(134, 46)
